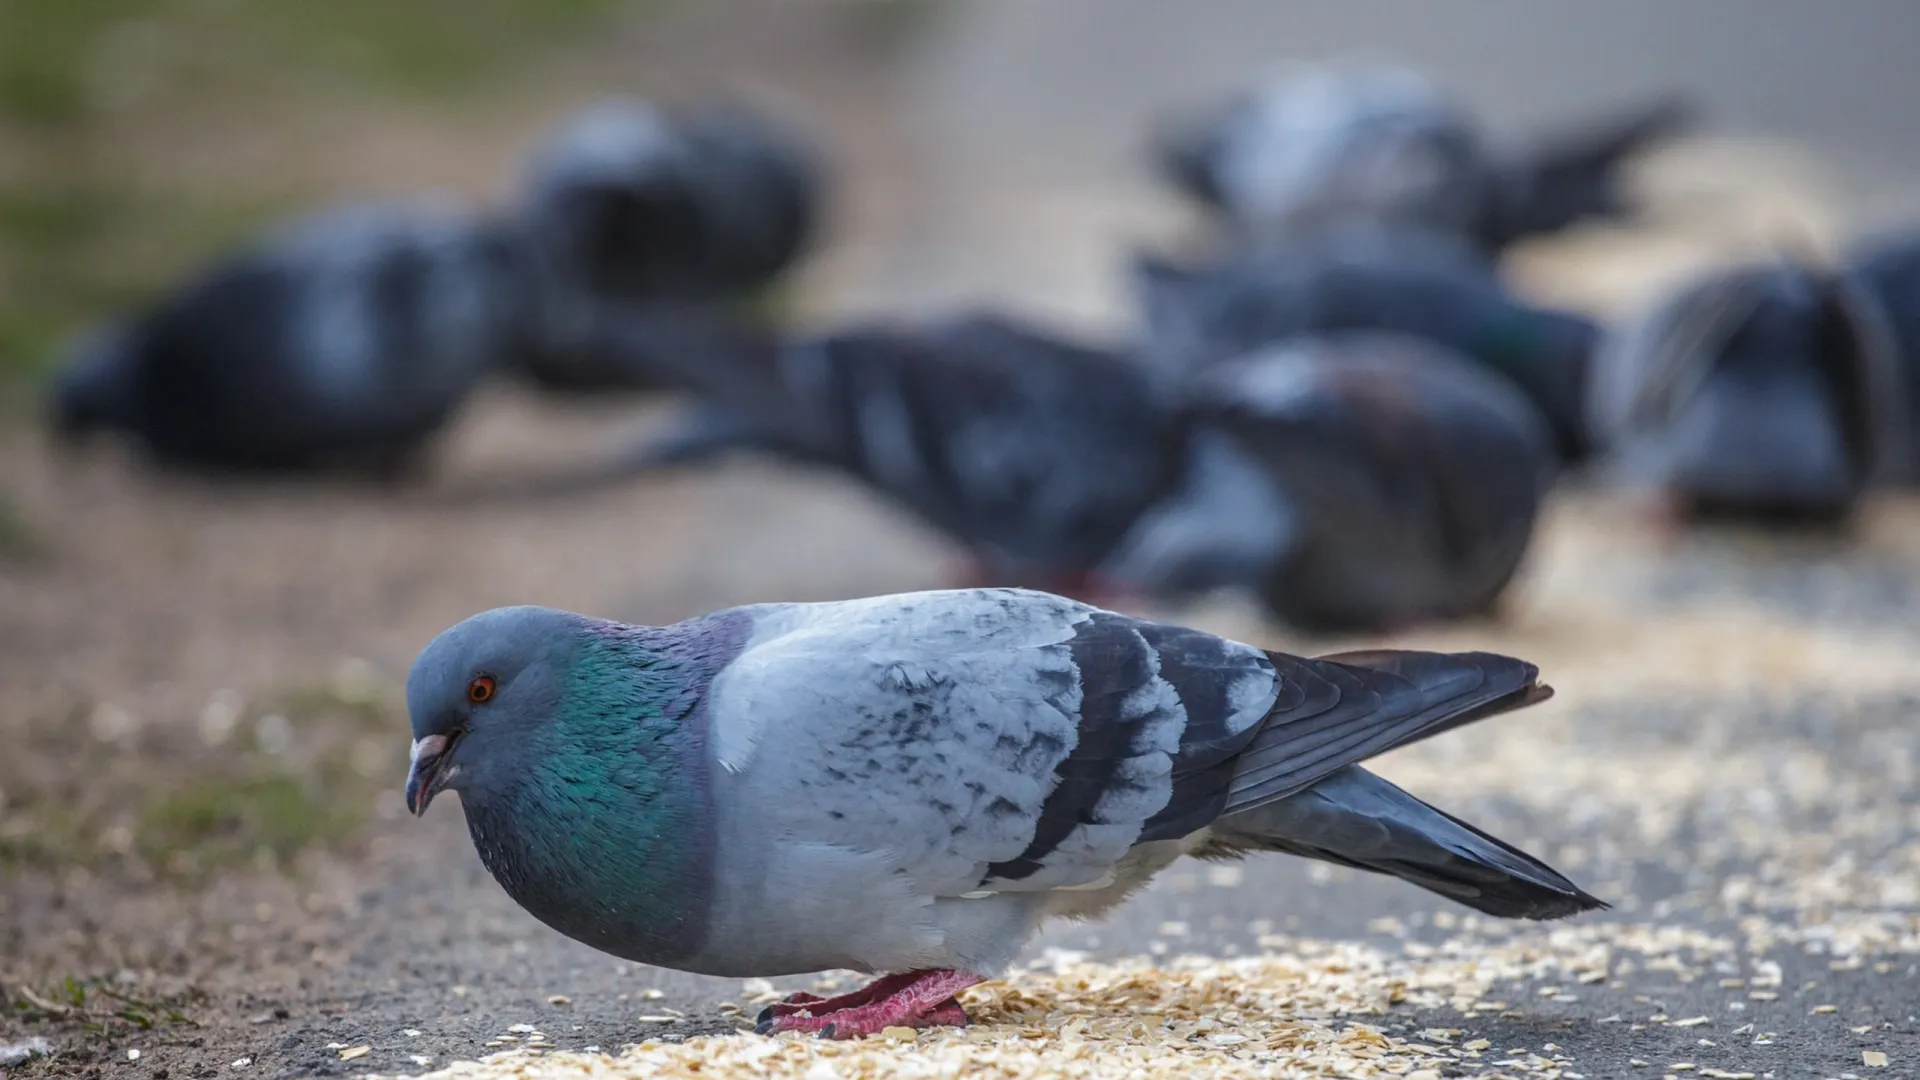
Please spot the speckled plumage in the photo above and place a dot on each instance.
(916, 782)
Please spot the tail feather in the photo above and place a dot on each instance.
(1356, 819)
(1342, 710)
(1577, 176)
(1431, 670)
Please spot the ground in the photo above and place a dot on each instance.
(204, 858)
(1729, 762)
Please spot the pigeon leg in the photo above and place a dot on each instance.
(925, 998)
(801, 1001)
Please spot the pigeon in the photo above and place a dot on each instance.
(340, 340)
(1767, 392)
(628, 202)
(1034, 451)
(1402, 492)
(1361, 481)
(1382, 142)
(910, 785)
(1885, 269)
(1362, 278)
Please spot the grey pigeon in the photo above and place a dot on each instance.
(1768, 392)
(1353, 482)
(1381, 142)
(1034, 451)
(344, 339)
(1885, 268)
(910, 785)
(1356, 278)
(629, 202)
(1400, 492)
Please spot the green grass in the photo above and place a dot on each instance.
(18, 539)
(71, 252)
(184, 809)
(80, 238)
(224, 821)
(57, 56)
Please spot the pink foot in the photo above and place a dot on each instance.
(915, 999)
(801, 1001)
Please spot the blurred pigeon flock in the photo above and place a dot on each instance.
(1372, 456)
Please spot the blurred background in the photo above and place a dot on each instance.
(204, 739)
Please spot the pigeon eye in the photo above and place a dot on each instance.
(480, 690)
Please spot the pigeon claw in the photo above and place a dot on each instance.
(914, 999)
(792, 1003)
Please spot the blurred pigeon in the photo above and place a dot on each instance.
(342, 339)
(628, 202)
(1886, 271)
(1035, 452)
(1381, 142)
(911, 785)
(1767, 391)
(1355, 278)
(1354, 482)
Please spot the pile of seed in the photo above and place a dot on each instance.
(1312, 1010)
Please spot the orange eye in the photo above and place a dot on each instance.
(480, 690)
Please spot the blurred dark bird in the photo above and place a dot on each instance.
(1353, 482)
(1357, 278)
(1399, 491)
(1768, 392)
(628, 202)
(1886, 270)
(1036, 453)
(340, 340)
(1381, 142)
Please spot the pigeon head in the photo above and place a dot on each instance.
(576, 746)
(480, 689)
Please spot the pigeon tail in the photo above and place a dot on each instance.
(1356, 819)
(1576, 176)
(1320, 804)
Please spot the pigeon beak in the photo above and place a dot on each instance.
(427, 774)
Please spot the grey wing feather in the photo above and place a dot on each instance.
(995, 738)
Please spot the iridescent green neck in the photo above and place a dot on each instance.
(604, 831)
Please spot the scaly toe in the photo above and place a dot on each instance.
(948, 1013)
